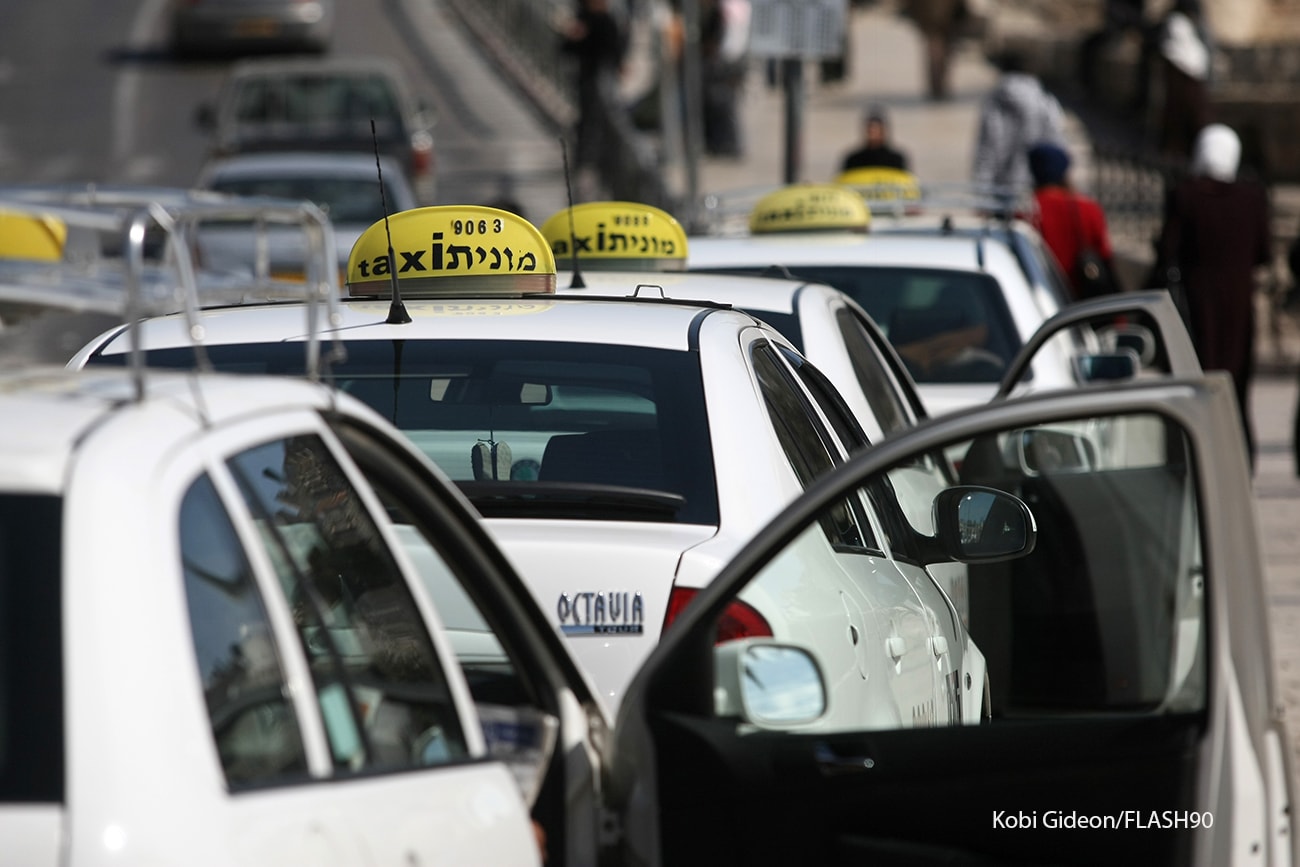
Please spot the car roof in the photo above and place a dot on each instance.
(834, 248)
(331, 65)
(62, 408)
(643, 323)
(749, 293)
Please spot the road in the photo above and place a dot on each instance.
(89, 93)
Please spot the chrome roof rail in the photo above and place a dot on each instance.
(126, 282)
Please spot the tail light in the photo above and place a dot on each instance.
(738, 619)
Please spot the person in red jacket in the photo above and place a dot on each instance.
(1071, 223)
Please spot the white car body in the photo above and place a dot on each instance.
(1023, 308)
(606, 581)
(129, 770)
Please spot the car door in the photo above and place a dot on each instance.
(1135, 722)
(331, 688)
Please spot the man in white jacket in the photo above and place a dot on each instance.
(1017, 114)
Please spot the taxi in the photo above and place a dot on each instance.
(1136, 714)
(620, 448)
(957, 307)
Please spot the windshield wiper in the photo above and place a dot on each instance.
(580, 500)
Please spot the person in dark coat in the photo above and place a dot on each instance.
(594, 37)
(1216, 233)
(876, 149)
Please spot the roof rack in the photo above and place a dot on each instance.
(109, 266)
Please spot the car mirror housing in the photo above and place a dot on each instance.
(974, 524)
(768, 684)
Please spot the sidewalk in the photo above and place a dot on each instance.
(886, 67)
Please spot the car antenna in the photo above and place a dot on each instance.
(397, 314)
(577, 282)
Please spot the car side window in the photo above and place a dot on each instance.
(831, 403)
(884, 400)
(382, 692)
(256, 729)
(807, 445)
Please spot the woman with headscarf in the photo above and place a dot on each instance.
(1216, 233)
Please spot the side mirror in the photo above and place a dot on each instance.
(1107, 366)
(975, 524)
(1138, 338)
(767, 684)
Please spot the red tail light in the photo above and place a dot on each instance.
(738, 619)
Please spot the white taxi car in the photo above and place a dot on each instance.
(621, 449)
(956, 306)
(1137, 724)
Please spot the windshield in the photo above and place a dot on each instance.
(31, 641)
(948, 326)
(535, 428)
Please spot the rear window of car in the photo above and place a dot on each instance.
(550, 429)
(948, 326)
(31, 656)
(316, 98)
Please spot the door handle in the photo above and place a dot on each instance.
(939, 644)
(895, 646)
(831, 764)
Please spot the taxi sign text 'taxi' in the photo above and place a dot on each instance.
(623, 236)
(810, 208)
(452, 250)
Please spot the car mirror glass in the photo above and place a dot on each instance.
(769, 685)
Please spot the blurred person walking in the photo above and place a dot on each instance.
(1185, 71)
(1018, 113)
(1072, 225)
(594, 37)
(876, 149)
(1216, 233)
(939, 22)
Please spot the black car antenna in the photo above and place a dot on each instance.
(577, 282)
(397, 314)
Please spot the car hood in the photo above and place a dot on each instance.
(603, 584)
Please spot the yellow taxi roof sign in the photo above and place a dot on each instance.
(452, 250)
(623, 236)
(32, 236)
(810, 208)
(882, 184)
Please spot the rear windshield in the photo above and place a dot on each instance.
(316, 99)
(31, 641)
(948, 326)
(521, 423)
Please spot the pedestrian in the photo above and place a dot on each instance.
(1216, 233)
(1120, 19)
(1185, 70)
(1018, 113)
(593, 36)
(724, 31)
(1073, 225)
(876, 149)
(939, 22)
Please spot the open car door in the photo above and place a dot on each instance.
(1129, 709)
(1138, 332)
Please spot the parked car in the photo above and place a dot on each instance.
(1139, 717)
(244, 26)
(956, 306)
(296, 104)
(345, 186)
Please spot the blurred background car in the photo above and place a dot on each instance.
(356, 103)
(343, 185)
(236, 26)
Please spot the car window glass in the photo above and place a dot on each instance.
(254, 723)
(847, 428)
(382, 693)
(31, 642)
(344, 200)
(551, 416)
(807, 445)
(877, 385)
(1105, 613)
